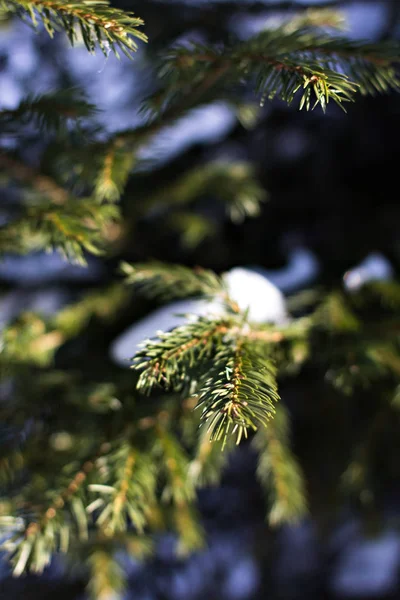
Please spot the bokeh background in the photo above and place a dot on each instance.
(332, 187)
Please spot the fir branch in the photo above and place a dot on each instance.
(81, 227)
(78, 227)
(285, 62)
(38, 537)
(96, 21)
(49, 112)
(302, 62)
(279, 472)
(104, 166)
(238, 392)
(164, 282)
(57, 220)
(127, 489)
(372, 67)
(167, 361)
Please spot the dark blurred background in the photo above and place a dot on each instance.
(332, 184)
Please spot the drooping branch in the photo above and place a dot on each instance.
(239, 391)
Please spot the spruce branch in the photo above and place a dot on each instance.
(104, 165)
(47, 527)
(167, 361)
(96, 21)
(164, 281)
(238, 392)
(50, 521)
(279, 472)
(78, 227)
(129, 486)
(56, 219)
(49, 112)
(97, 501)
(144, 475)
(285, 64)
(235, 378)
(124, 480)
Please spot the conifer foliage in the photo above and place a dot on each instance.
(91, 465)
(97, 22)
